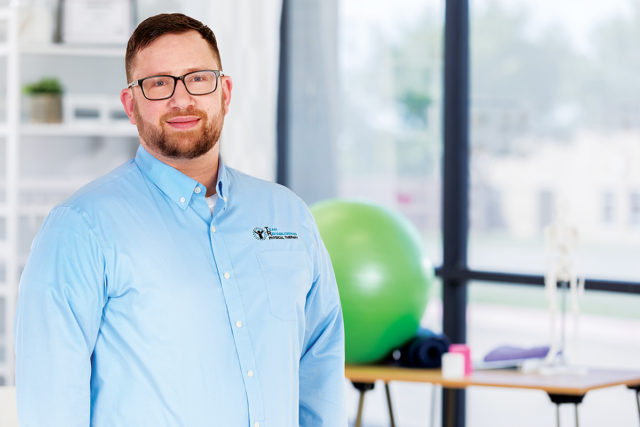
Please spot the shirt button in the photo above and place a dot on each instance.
(256, 424)
(197, 190)
(239, 324)
(213, 228)
(182, 199)
(227, 275)
(250, 373)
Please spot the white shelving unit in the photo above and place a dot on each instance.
(16, 209)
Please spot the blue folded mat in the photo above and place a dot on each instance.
(425, 350)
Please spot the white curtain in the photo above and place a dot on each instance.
(248, 34)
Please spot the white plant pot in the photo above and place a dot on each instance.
(45, 108)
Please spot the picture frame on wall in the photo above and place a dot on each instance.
(96, 21)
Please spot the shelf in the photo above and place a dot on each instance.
(84, 129)
(80, 129)
(49, 184)
(54, 184)
(30, 210)
(95, 51)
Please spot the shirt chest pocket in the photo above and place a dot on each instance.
(287, 276)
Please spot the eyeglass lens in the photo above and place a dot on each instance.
(197, 83)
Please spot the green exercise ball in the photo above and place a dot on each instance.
(382, 272)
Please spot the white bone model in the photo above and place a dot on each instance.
(562, 241)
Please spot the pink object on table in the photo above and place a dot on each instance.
(466, 352)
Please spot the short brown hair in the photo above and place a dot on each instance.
(165, 23)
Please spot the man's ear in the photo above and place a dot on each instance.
(126, 97)
(227, 85)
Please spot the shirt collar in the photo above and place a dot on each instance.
(174, 184)
(222, 186)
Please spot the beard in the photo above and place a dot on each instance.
(187, 144)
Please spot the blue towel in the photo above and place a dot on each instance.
(425, 350)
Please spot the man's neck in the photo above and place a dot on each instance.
(203, 169)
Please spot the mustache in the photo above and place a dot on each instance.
(189, 111)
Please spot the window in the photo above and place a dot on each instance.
(545, 208)
(634, 211)
(555, 124)
(389, 139)
(608, 207)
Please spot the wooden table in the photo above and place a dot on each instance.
(561, 388)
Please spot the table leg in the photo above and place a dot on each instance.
(636, 388)
(360, 406)
(388, 393)
(432, 413)
(363, 388)
(559, 399)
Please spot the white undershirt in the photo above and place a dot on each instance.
(211, 202)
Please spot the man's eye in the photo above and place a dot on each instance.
(196, 78)
(159, 83)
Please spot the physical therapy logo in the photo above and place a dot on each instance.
(272, 233)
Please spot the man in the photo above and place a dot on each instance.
(176, 291)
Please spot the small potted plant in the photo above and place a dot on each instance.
(45, 100)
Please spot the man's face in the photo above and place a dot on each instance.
(184, 126)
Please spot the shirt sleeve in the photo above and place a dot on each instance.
(322, 384)
(60, 302)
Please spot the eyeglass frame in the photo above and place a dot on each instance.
(217, 73)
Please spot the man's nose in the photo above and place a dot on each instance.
(181, 97)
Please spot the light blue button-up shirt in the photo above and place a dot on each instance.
(138, 307)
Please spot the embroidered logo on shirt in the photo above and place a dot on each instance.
(270, 233)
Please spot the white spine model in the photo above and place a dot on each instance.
(562, 268)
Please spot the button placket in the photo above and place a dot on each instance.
(240, 333)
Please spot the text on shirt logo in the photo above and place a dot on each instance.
(270, 233)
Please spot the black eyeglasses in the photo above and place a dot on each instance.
(156, 88)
